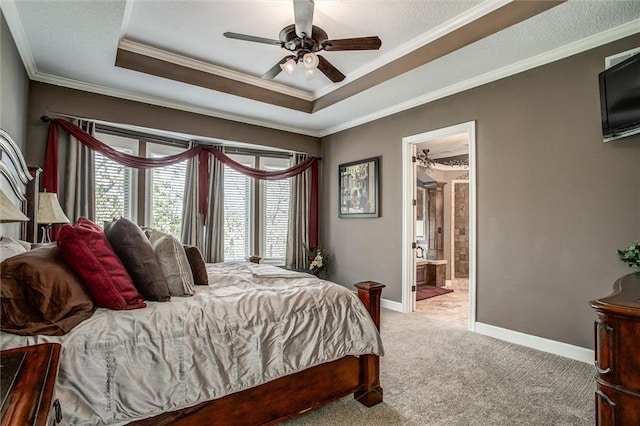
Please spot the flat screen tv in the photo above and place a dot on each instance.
(620, 99)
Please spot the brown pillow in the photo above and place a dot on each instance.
(198, 267)
(41, 294)
(133, 248)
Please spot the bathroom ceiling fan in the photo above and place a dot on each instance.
(304, 40)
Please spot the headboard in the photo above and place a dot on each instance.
(18, 183)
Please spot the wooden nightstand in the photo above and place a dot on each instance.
(28, 377)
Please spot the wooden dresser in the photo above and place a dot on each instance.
(28, 381)
(617, 354)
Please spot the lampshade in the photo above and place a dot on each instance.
(310, 60)
(289, 66)
(49, 210)
(8, 211)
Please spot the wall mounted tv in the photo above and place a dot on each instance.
(620, 99)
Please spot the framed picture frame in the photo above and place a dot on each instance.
(358, 189)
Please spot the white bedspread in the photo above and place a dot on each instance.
(237, 333)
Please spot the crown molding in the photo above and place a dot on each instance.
(457, 22)
(12, 18)
(162, 102)
(184, 61)
(608, 36)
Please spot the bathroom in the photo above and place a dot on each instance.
(442, 217)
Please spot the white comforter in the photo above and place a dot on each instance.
(240, 331)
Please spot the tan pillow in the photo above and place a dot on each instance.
(173, 261)
(41, 294)
(198, 267)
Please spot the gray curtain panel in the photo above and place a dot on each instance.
(191, 223)
(214, 228)
(79, 193)
(210, 237)
(298, 237)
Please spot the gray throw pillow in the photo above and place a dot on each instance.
(135, 251)
(173, 261)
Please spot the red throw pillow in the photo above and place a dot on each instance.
(85, 248)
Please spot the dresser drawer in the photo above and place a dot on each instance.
(617, 357)
(616, 407)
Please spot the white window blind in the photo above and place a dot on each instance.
(114, 183)
(237, 211)
(167, 191)
(275, 211)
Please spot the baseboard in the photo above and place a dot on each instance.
(390, 304)
(558, 348)
(447, 283)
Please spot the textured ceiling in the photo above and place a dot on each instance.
(74, 44)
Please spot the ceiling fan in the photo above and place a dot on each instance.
(304, 40)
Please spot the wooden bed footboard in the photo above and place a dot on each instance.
(289, 396)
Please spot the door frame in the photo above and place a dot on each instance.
(408, 211)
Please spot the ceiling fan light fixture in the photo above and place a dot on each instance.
(310, 60)
(289, 66)
(310, 73)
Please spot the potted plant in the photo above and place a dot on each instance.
(631, 255)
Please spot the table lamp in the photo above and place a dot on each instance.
(8, 211)
(49, 213)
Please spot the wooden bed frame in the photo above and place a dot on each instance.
(273, 402)
(266, 404)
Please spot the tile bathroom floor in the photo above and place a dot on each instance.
(451, 307)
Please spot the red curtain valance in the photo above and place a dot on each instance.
(51, 178)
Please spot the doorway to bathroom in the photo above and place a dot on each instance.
(439, 224)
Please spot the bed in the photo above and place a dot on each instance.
(255, 346)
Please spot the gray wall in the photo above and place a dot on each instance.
(46, 99)
(14, 87)
(554, 201)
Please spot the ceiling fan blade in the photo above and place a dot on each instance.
(275, 70)
(329, 70)
(359, 43)
(303, 14)
(252, 38)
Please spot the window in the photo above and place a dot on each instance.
(161, 189)
(237, 211)
(256, 212)
(115, 184)
(167, 192)
(275, 211)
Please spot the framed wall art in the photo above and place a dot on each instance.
(358, 188)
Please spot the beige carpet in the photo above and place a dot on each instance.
(434, 373)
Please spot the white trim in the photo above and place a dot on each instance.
(17, 31)
(574, 48)
(408, 188)
(546, 345)
(390, 304)
(158, 101)
(409, 47)
(184, 61)
(12, 18)
(447, 283)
